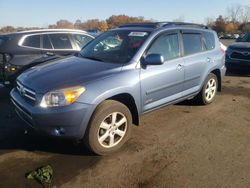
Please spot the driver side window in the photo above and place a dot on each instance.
(166, 45)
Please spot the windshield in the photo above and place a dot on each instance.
(246, 38)
(115, 46)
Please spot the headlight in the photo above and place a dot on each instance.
(62, 97)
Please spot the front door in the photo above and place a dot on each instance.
(161, 84)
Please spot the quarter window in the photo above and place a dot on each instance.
(192, 43)
(209, 40)
(167, 45)
(60, 41)
(32, 41)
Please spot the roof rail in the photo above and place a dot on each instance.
(50, 30)
(185, 24)
(144, 24)
(163, 24)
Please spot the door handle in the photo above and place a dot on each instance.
(179, 67)
(50, 53)
(209, 60)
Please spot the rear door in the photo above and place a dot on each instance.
(61, 44)
(29, 50)
(195, 61)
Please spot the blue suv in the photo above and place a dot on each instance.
(96, 95)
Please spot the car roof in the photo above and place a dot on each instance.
(29, 32)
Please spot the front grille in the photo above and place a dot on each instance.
(23, 113)
(241, 55)
(26, 93)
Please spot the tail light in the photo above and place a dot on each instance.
(223, 48)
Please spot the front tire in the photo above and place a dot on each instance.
(209, 90)
(109, 127)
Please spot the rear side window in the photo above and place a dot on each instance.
(60, 41)
(209, 40)
(81, 40)
(46, 42)
(192, 43)
(167, 45)
(32, 41)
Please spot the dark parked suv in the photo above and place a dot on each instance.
(21, 50)
(238, 54)
(96, 95)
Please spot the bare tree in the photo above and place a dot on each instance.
(64, 24)
(210, 22)
(234, 13)
(179, 19)
(245, 15)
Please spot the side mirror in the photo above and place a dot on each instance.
(154, 59)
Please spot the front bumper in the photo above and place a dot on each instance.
(66, 122)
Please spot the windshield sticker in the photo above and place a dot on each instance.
(138, 34)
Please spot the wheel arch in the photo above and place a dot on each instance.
(217, 73)
(128, 100)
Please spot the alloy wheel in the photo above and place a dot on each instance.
(112, 130)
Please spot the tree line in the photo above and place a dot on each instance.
(237, 20)
(101, 25)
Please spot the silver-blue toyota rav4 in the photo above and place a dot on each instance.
(96, 95)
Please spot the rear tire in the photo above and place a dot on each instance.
(209, 90)
(109, 127)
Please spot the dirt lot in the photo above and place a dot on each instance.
(178, 146)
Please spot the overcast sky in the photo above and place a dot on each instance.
(27, 13)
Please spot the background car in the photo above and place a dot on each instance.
(21, 50)
(94, 32)
(238, 54)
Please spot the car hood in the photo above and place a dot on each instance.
(68, 72)
(240, 45)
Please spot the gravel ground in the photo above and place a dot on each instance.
(182, 145)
